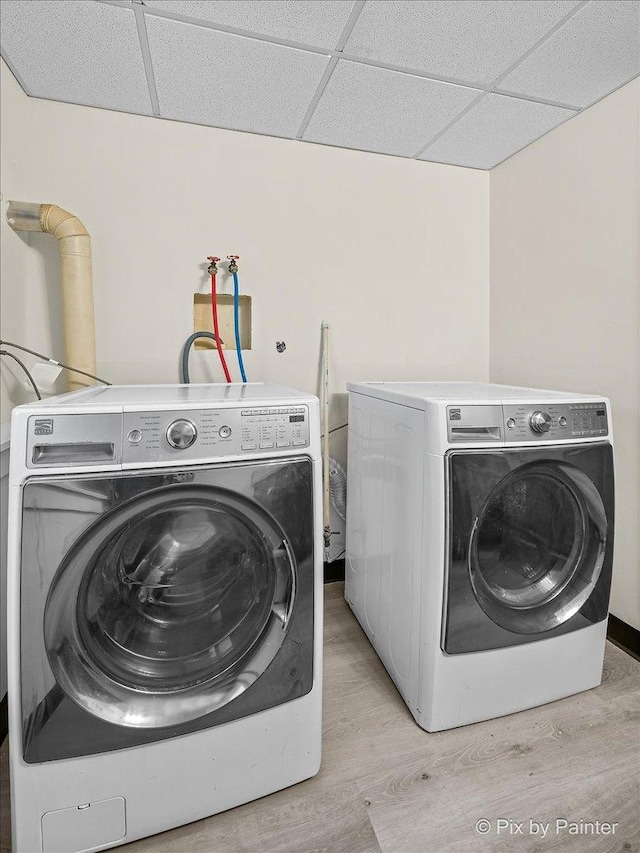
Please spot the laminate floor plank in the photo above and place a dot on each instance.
(386, 785)
(429, 808)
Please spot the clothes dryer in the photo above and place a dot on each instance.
(480, 527)
(165, 607)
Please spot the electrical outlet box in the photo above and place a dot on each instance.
(203, 320)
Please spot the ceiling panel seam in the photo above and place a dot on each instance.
(234, 31)
(146, 58)
(570, 14)
(405, 69)
(440, 133)
(520, 97)
(515, 98)
(322, 85)
(352, 20)
(581, 109)
(492, 88)
(335, 55)
(452, 81)
(533, 100)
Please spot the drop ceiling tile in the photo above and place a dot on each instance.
(494, 129)
(469, 40)
(315, 23)
(591, 55)
(375, 109)
(81, 52)
(225, 80)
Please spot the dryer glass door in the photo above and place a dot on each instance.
(530, 544)
(537, 547)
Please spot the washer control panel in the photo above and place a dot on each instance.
(555, 422)
(211, 433)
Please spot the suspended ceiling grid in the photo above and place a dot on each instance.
(465, 82)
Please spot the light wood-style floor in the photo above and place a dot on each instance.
(386, 785)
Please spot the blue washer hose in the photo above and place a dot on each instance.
(236, 324)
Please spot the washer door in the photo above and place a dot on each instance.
(170, 606)
(537, 547)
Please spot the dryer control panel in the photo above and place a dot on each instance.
(525, 422)
(554, 422)
(210, 433)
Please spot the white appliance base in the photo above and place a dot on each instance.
(485, 685)
(173, 782)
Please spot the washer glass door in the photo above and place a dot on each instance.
(154, 603)
(170, 606)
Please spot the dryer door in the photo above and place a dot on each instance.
(533, 536)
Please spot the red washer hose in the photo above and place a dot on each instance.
(216, 331)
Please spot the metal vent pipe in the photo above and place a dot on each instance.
(74, 247)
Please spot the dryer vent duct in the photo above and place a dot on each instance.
(74, 246)
(338, 488)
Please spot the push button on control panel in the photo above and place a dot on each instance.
(134, 436)
(224, 431)
(268, 429)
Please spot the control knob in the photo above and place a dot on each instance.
(540, 421)
(181, 434)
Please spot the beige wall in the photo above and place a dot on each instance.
(386, 250)
(565, 284)
(393, 253)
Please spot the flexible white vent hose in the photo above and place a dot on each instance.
(338, 488)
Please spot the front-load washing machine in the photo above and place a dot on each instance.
(165, 607)
(479, 542)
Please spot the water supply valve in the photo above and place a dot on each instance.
(233, 266)
(212, 268)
